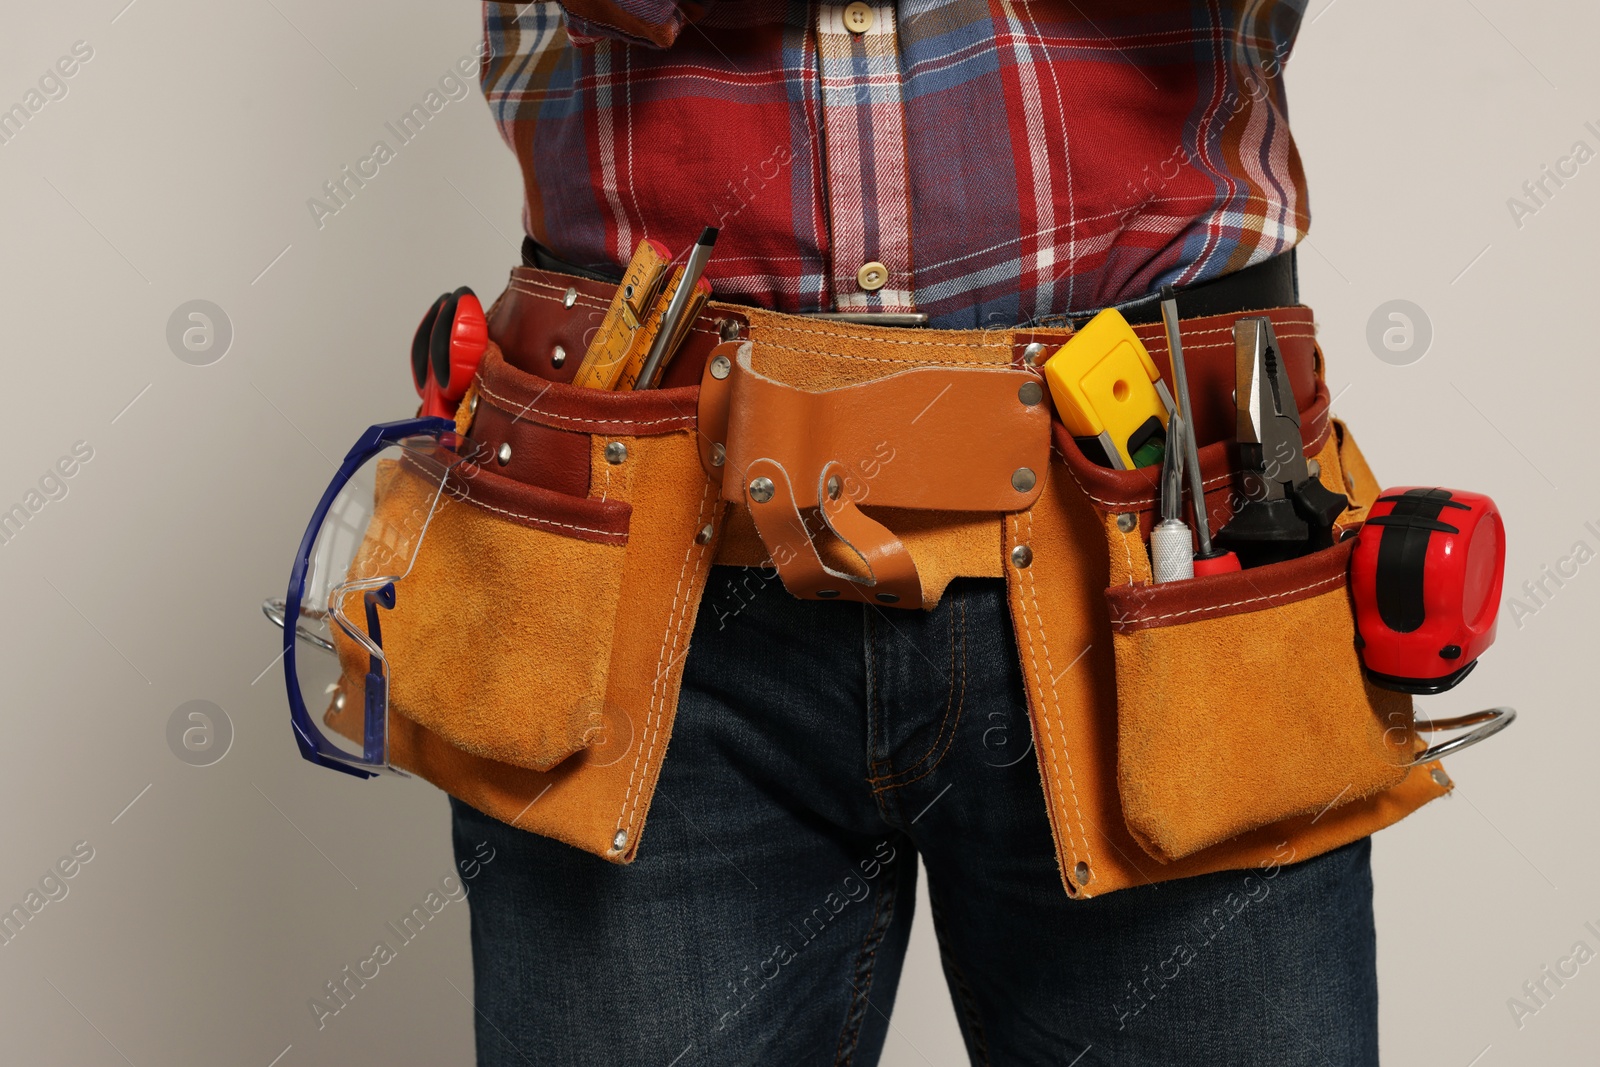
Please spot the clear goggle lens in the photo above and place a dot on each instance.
(362, 553)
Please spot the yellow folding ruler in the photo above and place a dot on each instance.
(620, 346)
(614, 343)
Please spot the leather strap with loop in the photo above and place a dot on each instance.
(961, 439)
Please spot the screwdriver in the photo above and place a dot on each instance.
(1171, 551)
(1208, 560)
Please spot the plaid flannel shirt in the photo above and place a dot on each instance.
(987, 162)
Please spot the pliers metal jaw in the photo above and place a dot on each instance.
(1287, 512)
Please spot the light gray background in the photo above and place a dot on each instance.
(177, 167)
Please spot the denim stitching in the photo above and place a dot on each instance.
(977, 1042)
(940, 744)
(874, 696)
(959, 700)
(866, 960)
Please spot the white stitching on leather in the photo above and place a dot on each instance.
(505, 405)
(1331, 580)
(863, 337)
(885, 359)
(477, 503)
(584, 299)
(675, 625)
(1212, 483)
(1058, 753)
(516, 284)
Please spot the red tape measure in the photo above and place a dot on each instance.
(1426, 575)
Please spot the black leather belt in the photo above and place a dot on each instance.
(1268, 284)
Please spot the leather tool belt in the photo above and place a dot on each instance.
(1179, 729)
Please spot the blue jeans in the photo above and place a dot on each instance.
(820, 747)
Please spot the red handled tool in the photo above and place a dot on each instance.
(1426, 576)
(446, 350)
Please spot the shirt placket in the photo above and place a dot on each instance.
(864, 157)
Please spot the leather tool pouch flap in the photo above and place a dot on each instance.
(808, 463)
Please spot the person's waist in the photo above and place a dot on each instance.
(550, 311)
(1271, 283)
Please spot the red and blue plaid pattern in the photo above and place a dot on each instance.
(1003, 160)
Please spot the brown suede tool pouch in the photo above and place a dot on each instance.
(1240, 696)
(1240, 702)
(497, 556)
(537, 645)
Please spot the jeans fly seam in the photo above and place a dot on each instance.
(874, 703)
(940, 746)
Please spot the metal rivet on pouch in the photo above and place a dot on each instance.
(616, 452)
(719, 454)
(558, 357)
(570, 298)
(1313, 468)
(503, 455)
(835, 487)
(888, 598)
(720, 367)
(338, 701)
(761, 490)
(1440, 778)
(1080, 873)
(1022, 555)
(1022, 479)
(827, 594)
(1031, 354)
(1350, 482)
(729, 329)
(472, 405)
(1030, 393)
(1127, 522)
(619, 842)
(705, 535)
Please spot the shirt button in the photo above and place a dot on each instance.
(857, 18)
(872, 276)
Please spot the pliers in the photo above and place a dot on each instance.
(1287, 512)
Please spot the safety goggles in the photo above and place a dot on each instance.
(359, 547)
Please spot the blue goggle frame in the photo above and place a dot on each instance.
(314, 745)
